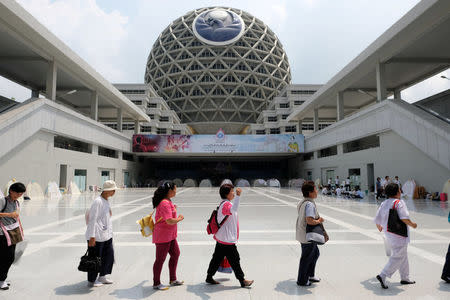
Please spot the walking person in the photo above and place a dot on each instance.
(99, 234)
(399, 243)
(307, 215)
(446, 271)
(227, 236)
(397, 181)
(165, 234)
(11, 231)
(379, 187)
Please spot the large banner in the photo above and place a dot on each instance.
(219, 143)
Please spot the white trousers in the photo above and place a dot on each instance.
(397, 261)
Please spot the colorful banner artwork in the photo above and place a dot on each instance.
(219, 143)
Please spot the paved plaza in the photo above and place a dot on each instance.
(269, 253)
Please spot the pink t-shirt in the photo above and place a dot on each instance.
(163, 232)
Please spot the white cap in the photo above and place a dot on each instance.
(109, 185)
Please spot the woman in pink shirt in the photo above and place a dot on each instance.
(227, 236)
(165, 234)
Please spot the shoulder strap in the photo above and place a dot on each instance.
(395, 203)
(225, 218)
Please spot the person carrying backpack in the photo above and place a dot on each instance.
(227, 236)
(393, 219)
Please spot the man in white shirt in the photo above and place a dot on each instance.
(397, 181)
(338, 192)
(386, 181)
(99, 234)
(347, 184)
(399, 244)
(336, 181)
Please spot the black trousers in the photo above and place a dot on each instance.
(232, 254)
(7, 255)
(446, 270)
(105, 251)
(307, 266)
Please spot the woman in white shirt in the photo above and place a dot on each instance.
(399, 244)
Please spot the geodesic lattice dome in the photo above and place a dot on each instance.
(217, 66)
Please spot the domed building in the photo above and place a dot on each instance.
(217, 68)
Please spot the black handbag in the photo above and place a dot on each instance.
(316, 234)
(395, 225)
(89, 263)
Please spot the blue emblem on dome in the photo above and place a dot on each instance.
(218, 27)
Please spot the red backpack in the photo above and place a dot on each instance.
(213, 224)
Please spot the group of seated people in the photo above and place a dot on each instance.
(341, 191)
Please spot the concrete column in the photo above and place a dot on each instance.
(340, 149)
(340, 106)
(119, 119)
(137, 127)
(300, 126)
(95, 149)
(50, 88)
(34, 94)
(381, 82)
(316, 154)
(94, 105)
(397, 94)
(316, 119)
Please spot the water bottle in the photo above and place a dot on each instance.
(449, 217)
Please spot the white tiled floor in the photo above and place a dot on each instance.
(269, 252)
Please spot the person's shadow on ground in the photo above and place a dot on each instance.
(373, 285)
(290, 287)
(203, 289)
(444, 286)
(80, 288)
(138, 291)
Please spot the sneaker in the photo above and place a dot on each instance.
(314, 279)
(211, 280)
(446, 279)
(94, 284)
(308, 283)
(4, 285)
(161, 287)
(176, 282)
(246, 283)
(383, 285)
(104, 280)
(407, 282)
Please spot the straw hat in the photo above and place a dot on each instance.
(109, 185)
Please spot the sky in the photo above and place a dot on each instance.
(320, 37)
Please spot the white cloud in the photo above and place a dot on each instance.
(320, 37)
(95, 35)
